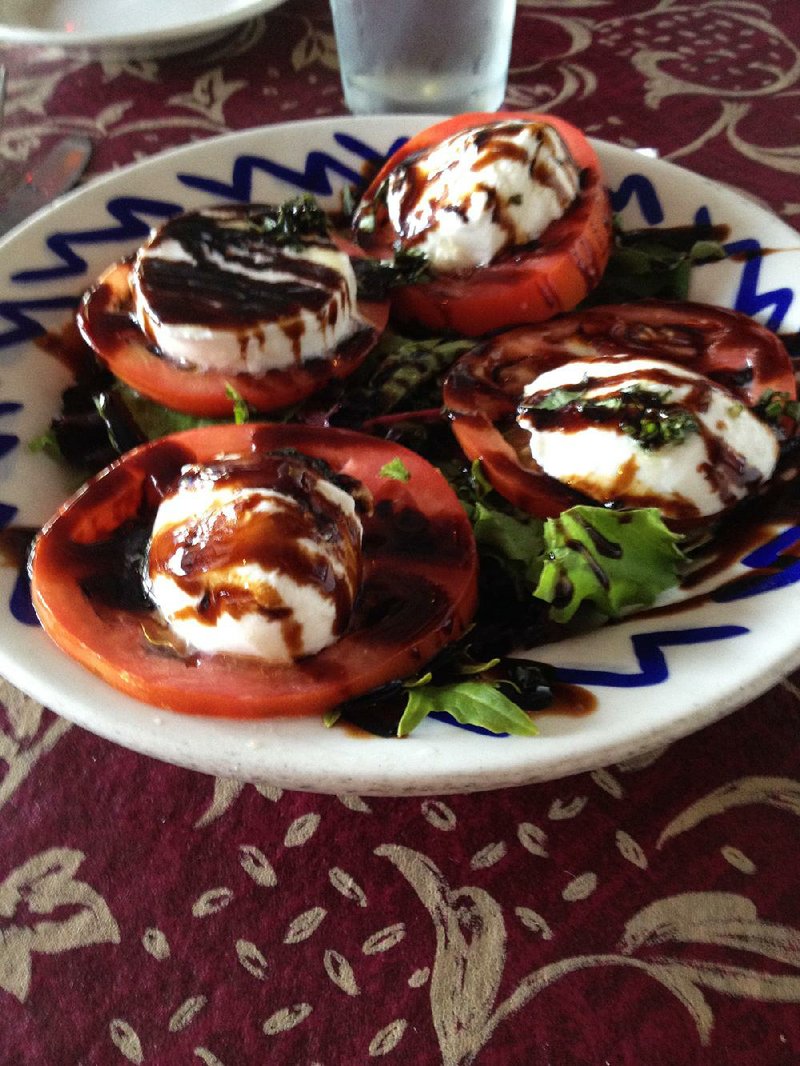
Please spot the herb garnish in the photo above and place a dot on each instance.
(375, 277)
(400, 375)
(645, 414)
(365, 216)
(395, 470)
(240, 410)
(295, 219)
(772, 406)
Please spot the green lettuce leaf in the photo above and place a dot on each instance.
(510, 536)
(517, 541)
(152, 418)
(612, 559)
(476, 703)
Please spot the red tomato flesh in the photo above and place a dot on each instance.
(418, 591)
(485, 386)
(529, 284)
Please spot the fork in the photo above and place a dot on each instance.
(7, 177)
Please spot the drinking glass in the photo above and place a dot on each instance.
(444, 56)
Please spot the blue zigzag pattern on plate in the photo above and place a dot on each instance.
(19, 602)
(20, 599)
(640, 188)
(8, 441)
(748, 298)
(314, 178)
(23, 326)
(134, 215)
(648, 648)
(781, 570)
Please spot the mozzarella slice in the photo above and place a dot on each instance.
(212, 290)
(581, 434)
(481, 191)
(261, 562)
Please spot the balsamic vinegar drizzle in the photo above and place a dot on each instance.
(412, 177)
(284, 539)
(231, 275)
(725, 469)
(216, 284)
(405, 596)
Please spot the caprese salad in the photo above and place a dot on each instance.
(350, 468)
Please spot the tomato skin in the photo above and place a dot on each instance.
(430, 585)
(523, 286)
(483, 389)
(105, 323)
(726, 345)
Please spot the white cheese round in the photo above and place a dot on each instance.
(480, 192)
(727, 454)
(212, 290)
(242, 570)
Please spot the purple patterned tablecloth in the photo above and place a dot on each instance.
(645, 913)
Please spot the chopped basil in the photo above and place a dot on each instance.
(295, 219)
(558, 399)
(772, 406)
(655, 262)
(646, 415)
(375, 277)
(400, 375)
(395, 470)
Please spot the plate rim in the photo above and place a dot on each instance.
(393, 779)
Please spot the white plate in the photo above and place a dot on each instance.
(154, 27)
(654, 680)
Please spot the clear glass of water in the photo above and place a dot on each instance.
(444, 56)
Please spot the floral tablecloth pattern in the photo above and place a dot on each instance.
(645, 913)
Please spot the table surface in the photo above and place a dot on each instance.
(647, 912)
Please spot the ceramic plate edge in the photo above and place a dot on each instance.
(450, 781)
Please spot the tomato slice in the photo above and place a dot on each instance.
(104, 319)
(418, 591)
(485, 386)
(518, 286)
